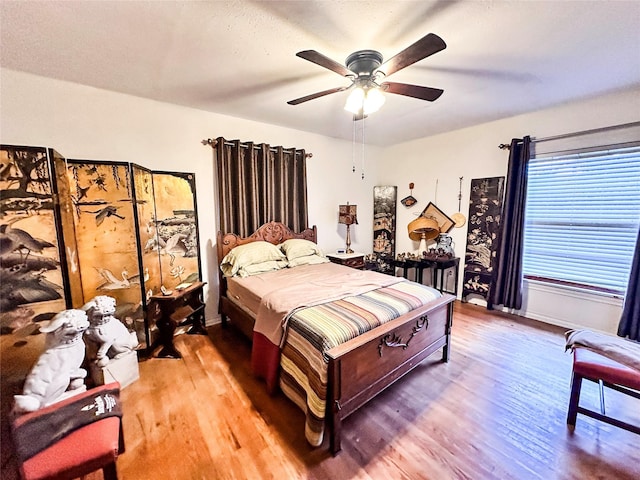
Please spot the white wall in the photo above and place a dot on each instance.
(87, 123)
(473, 153)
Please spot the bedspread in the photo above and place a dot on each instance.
(283, 292)
(314, 330)
(306, 286)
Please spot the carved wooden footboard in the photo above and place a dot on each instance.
(361, 368)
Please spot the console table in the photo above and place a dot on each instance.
(180, 307)
(439, 266)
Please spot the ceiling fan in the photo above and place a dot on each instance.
(365, 70)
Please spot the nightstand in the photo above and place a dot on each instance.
(353, 260)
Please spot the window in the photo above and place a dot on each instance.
(582, 216)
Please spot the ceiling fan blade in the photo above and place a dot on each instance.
(427, 45)
(415, 91)
(306, 98)
(326, 62)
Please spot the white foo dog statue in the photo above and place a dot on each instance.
(58, 368)
(106, 333)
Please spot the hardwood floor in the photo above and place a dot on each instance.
(497, 410)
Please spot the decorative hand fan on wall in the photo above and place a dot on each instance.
(365, 70)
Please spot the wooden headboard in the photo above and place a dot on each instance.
(272, 232)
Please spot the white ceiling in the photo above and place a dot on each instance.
(238, 57)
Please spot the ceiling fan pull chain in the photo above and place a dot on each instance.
(353, 147)
(363, 148)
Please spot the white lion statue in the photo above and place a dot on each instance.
(108, 336)
(58, 368)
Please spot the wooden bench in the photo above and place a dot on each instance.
(592, 366)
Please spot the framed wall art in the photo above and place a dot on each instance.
(445, 223)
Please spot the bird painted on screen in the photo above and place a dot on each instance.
(82, 192)
(175, 245)
(106, 212)
(111, 281)
(135, 279)
(16, 239)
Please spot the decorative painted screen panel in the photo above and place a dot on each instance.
(384, 226)
(151, 280)
(65, 224)
(485, 212)
(106, 236)
(32, 274)
(177, 227)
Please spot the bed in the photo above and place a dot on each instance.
(332, 373)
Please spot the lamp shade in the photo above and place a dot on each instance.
(348, 214)
(423, 227)
(364, 100)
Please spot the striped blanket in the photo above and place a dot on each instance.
(314, 330)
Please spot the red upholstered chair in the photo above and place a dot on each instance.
(589, 365)
(83, 447)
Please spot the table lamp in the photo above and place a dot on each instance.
(423, 229)
(348, 216)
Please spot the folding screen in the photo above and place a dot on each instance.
(74, 229)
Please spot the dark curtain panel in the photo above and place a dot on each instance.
(630, 320)
(259, 184)
(506, 285)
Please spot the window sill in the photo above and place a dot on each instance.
(574, 290)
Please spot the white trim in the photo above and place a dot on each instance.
(575, 292)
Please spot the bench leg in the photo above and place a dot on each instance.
(574, 399)
(109, 472)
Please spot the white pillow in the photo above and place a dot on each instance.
(298, 247)
(257, 268)
(252, 253)
(308, 260)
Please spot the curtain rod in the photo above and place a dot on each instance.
(506, 146)
(213, 143)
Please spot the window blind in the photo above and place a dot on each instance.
(582, 216)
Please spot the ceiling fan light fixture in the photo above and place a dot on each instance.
(364, 101)
(373, 100)
(355, 100)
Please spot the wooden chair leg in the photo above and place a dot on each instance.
(109, 472)
(574, 399)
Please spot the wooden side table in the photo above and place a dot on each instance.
(181, 307)
(353, 260)
(439, 266)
